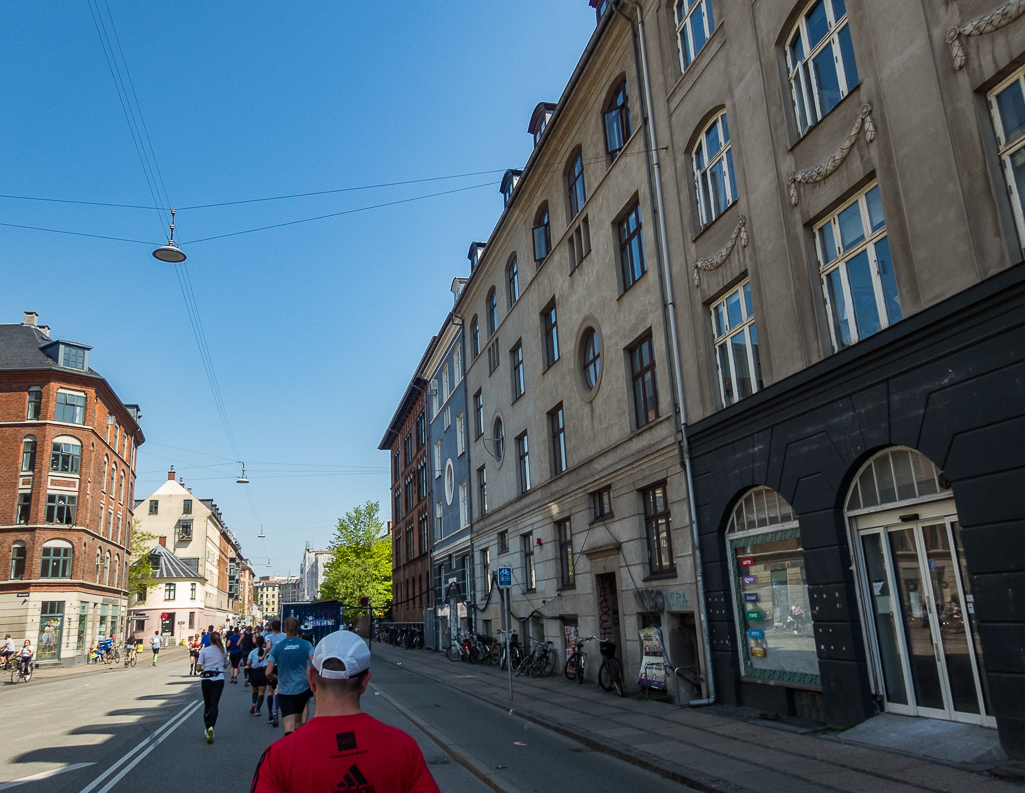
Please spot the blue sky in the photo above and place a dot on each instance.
(313, 329)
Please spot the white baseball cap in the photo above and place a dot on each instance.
(348, 648)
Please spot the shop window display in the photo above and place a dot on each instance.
(777, 640)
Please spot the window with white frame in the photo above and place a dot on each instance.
(714, 178)
(66, 456)
(820, 60)
(1007, 106)
(445, 385)
(437, 459)
(523, 458)
(28, 454)
(70, 407)
(857, 270)
(460, 435)
(616, 120)
(457, 364)
(694, 24)
(464, 506)
(478, 413)
(736, 345)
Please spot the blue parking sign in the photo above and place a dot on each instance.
(505, 576)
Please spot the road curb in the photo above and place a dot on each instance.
(454, 750)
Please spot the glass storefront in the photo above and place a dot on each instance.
(51, 627)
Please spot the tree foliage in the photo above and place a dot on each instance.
(139, 570)
(360, 564)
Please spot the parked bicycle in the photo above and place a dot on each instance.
(544, 663)
(578, 659)
(610, 673)
(515, 650)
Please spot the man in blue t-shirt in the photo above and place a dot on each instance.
(290, 658)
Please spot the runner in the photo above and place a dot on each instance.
(246, 645)
(154, 644)
(343, 748)
(193, 655)
(212, 660)
(205, 641)
(270, 637)
(234, 652)
(290, 658)
(256, 664)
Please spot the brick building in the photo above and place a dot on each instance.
(67, 476)
(406, 440)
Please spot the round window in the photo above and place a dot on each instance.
(498, 438)
(450, 482)
(591, 358)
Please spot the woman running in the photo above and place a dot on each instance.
(212, 660)
(193, 655)
(256, 663)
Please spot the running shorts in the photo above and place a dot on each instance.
(257, 678)
(236, 659)
(293, 704)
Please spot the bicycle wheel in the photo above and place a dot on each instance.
(538, 666)
(133, 656)
(117, 655)
(610, 676)
(581, 661)
(571, 667)
(453, 652)
(550, 662)
(16, 676)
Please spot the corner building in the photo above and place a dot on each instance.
(847, 276)
(67, 474)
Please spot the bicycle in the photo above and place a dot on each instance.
(577, 660)
(130, 656)
(610, 674)
(18, 675)
(545, 662)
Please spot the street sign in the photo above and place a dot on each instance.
(505, 577)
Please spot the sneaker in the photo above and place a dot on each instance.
(275, 719)
(252, 710)
(257, 714)
(209, 734)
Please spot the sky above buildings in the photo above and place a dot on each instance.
(313, 329)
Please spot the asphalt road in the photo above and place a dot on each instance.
(119, 730)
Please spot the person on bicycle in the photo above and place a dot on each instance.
(26, 658)
(106, 647)
(7, 649)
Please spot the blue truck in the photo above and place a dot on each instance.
(319, 618)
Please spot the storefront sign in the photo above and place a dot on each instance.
(110, 601)
(750, 597)
(755, 633)
(749, 579)
(653, 668)
(754, 614)
(746, 561)
(757, 652)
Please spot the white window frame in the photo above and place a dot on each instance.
(804, 89)
(457, 364)
(684, 14)
(437, 459)
(445, 387)
(460, 435)
(704, 165)
(66, 392)
(843, 257)
(724, 334)
(464, 506)
(1008, 148)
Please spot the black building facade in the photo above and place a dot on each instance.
(912, 595)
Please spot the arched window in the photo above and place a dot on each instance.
(103, 478)
(28, 453)
(116, 577)
(512, 281)
(113, 478)
(99, 565)
(894, 476)
(18, 555)
(617, 120)
(694, 24)
(492, 311)
(66, 455)
(121, 489)
(820, 59)
(118, 538)
(714, 179)
(474, 337)
(106, 569)
(575, 186)
(542, 233)
(774, 621)
(56, 559)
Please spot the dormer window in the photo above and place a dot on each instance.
(72, 357)
(476, 250)
(539, 120)
(68, 354)
(509, 181)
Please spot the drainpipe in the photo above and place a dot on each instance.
(640, 53)
(471, 582)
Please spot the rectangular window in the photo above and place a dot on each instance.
(550, 331)
(631, 248)
(396, 467)
(557, 428)
(529, 572)
(523, 457)
(61, 509)
(857, 270)
(503, 541)
(73, 357)
(460, 435)
(65, 458)
(187, 506)
(421, 430)
(437, 459)
(397, 506)
(24, 508)
(645, 389)
(464, 506)
(485, 571)
(516, 364)
(70, 407)
(35, 401)
(192, 591)
(17, 561)
(601, 503)
(192, 619)
(421, 482)
(564, 534)
(448, 416)
(657, 530)
(736, 345)
(422, 525)
(407, 447)
(408, 490)
(478, 414)
(56, 562)
(28, 455)
(482, 490)
(493, 357)
(438, 526)
(1007, 107)
(410, 548)
(169, 591)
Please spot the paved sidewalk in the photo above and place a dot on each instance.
(174, 654)
(708, 749)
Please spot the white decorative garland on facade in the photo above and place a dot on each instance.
(830, 166)
(717, 261)
(1004, 15)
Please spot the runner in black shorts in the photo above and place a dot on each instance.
(234, 652)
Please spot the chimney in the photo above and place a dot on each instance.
(170, 474)
(162, 540)
(45, 330)
(31, 318)
(457, 288)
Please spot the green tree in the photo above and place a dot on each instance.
(140, 570)
(360, 564)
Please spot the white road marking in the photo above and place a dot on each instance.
(145, 747)
(44, 775)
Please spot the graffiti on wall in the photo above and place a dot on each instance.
(605, 619)
(655, 600)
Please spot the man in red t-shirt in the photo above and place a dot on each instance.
(342, 749)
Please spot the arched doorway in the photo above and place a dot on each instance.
(916, 599)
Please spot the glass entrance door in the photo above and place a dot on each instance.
(927, 648)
